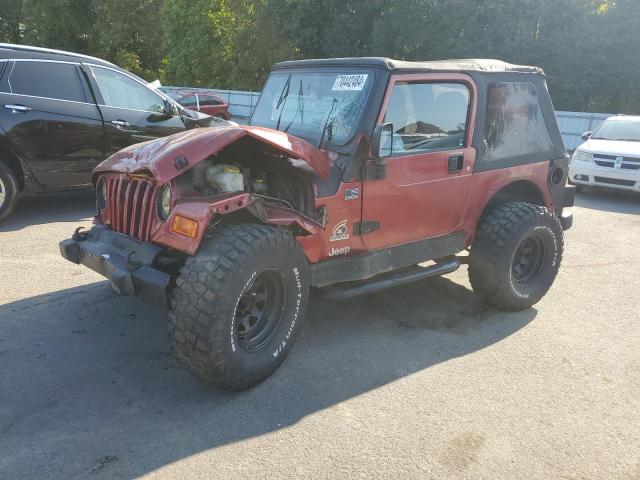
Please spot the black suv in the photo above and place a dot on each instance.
(62, 113)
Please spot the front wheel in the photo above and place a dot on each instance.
(8, 191)
(238, 305)
(516, 255)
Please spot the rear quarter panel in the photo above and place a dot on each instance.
(484, 186)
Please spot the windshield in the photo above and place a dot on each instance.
(314, 105)
(628, 130)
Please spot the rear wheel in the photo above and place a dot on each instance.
(516, 255)
(238, 304)
(8, 191)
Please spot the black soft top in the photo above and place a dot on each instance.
(11, 51)
(462, 65)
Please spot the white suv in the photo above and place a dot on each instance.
(610, 156)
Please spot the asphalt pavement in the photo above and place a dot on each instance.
(422, 381)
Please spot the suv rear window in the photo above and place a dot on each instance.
(514, 124)
(45, 79)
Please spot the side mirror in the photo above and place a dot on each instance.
(382, 142)
(586, 135)
(169, 109)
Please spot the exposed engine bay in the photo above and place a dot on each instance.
(268, 177)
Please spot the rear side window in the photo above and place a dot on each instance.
(514, 124)
(60, 81)
(209, 100)
(427, 116)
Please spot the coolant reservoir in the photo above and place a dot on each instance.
(227, 178)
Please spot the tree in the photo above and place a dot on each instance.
(11, 21)
(129, 33)
(197, 42)
(233, 43)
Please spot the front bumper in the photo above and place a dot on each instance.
(589, 174)
(566, 218)
(126, 262)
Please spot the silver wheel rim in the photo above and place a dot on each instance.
(3, 193)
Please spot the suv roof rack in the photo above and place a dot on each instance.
(52, 51)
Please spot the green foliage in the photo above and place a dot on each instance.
(590, 49)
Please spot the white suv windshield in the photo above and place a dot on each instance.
(618, 130)
(302, 103)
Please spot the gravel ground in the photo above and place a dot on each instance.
(422, 381)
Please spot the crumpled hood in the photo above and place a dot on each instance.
(159, 156)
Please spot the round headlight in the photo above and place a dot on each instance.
(164, 202)
(101, 193)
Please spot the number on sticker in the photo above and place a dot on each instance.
(350, 82)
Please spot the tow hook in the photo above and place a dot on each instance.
(79, 236)
(132, 264)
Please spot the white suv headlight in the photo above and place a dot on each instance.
(582, 156)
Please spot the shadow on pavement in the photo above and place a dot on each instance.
(89, 387)
(41, 208)
(609, 201)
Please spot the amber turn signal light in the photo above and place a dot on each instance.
(184, 226)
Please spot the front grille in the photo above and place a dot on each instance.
(615, 181)
(131, 206)
(628, 163)
(605, 163)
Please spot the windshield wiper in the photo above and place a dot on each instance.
(300, 109)
(283, 98)
(325, 127)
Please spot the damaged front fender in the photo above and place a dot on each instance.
(205, 210)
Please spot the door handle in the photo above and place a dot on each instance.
(18, 108)
(121, 124)
(455, 163)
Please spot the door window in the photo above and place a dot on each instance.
(59, 81)
(119, 90)
(188, 101)
(427, 116)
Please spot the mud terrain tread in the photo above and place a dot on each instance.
(496, 233)
(196, 298)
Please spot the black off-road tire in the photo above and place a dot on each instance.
(8, 190)
(207, 332)
(504, 242)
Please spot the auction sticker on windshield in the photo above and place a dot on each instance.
(350, 82)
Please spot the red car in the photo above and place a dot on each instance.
(208, 103)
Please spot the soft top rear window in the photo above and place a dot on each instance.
(514, 123)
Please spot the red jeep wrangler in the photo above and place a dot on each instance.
(351, 173)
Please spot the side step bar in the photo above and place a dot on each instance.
(343, 291)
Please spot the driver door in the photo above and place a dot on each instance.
(132, 112)
(424, 193)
